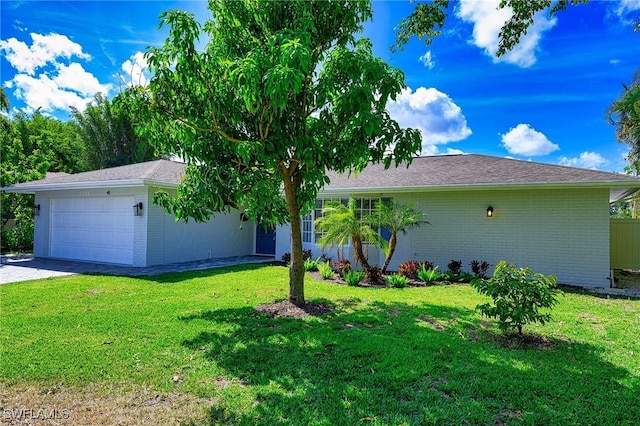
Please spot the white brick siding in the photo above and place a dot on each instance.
(564, 232)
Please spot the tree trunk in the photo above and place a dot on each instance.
(392, 249)
(360, 257)
(296, 269)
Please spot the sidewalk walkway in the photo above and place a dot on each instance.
(26, 267)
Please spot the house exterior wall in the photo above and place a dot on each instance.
(564, 232)
(42, 223)
(168, 241)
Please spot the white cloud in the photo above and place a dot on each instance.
(44, 50)
(75, 78)
(524, 140)
(487, 19)
(627, 6)
(588, 160)
(427, 60)
(43, 81)
(135, 70)
(614, 61)
(62, 88)
(44, 93)
(437, 117)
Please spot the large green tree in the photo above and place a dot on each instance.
(17, 165)
(108, 129)
(30, 146)
(274, 96)
(59, 141)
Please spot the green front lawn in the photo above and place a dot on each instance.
(382, 356)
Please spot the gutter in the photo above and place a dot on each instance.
(630, 186)
(32, 189)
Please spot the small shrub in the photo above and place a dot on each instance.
(449, 277)
(518, 294)
(397, 281)
(307, 254)
(464, 277)
(409, 269)
(374, 274)
(325, 270)
(311, 264)
(480, 269)
(428, 265)
(455, 267)
(353, 278)
(429, 275)
(325, 258)
(341, 266)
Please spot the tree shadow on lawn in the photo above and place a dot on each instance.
(400, 364)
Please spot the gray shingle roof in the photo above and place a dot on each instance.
(474, 170)
(161, 172)
(435, 172)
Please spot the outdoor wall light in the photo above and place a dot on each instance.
(36, 210)
(489, 211)
(137, 209)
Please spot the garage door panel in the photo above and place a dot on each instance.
(98, 229)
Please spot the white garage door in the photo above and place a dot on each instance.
(98, 229)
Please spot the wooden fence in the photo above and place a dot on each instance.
(625, 244)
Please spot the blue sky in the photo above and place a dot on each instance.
(545, 101)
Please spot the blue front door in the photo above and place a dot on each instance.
(265, 240)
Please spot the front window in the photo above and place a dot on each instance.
(364, 206)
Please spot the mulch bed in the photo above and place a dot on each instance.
(286, 309)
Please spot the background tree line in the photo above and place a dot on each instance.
(33, 144)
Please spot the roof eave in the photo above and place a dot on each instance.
(131, 183)
(629, 186)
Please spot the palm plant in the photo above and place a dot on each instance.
(396, 218)
(624, 114)
(340, 225)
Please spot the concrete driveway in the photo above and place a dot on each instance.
(14, 268)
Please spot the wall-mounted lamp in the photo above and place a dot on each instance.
(36, 210)
(489, 211)
(137, 209)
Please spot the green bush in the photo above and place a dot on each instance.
(19, 238)
(397, 281)
(465, 277)
(353, 278)
(429, 275)
(311, 264)
(518, 294)
(325, 270)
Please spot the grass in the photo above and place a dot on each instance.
(190, 348)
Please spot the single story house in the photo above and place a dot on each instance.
(107, 216)
(552, 218)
